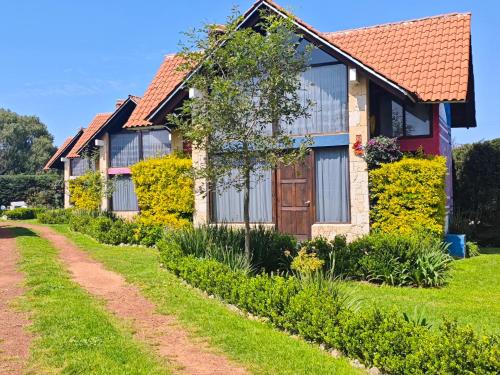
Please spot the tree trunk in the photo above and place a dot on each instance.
(246, 213)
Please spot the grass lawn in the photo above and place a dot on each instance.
(472, 295)
(74, 334)
(258, 346)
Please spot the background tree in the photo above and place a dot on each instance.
(25, 143)
(248, 82)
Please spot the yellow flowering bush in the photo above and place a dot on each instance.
(306, 263)
(86, 191)
(164, 188)
(409, 195)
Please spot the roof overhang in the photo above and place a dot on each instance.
(251, 17)
(56, 163)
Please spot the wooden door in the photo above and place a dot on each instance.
(295, 207)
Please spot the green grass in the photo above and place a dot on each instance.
(261, 348)
(472, 295)
(74, 334)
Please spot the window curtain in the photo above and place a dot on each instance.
(326, 87)
(155, 143)
(228, 203)
(124, 197)
(332, 185)
(79, 166)
(124, 149)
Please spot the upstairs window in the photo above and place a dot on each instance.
(155, 143)
(403, 120)
(80, 166)
(124, 149)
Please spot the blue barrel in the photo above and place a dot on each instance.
(457, 244)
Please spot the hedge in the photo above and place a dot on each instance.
(164, 188)
(409, 194)
(86, 191)
(318, 312)
(37, 190)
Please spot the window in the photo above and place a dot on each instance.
(332, 185)
(124, 149)
(402, 120)
(155, 143)
(227, 205)
(124, 197)
(79, 166)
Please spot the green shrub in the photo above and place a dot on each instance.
(86, 191)
(472, 249)
(269, 247)
(57, 216)
(45, 190)
(320, 312)
(409, 195)
(22, 213)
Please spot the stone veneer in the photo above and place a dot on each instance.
(67, 171)
(103, 168)
(358, 171)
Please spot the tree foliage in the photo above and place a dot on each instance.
(25, 143)
(37, 190)
(248, 84)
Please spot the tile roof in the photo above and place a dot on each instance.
(429, 57)
(58, 153)
(95, 125)
(165, 81)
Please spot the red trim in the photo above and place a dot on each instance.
(121, 170)
(429, 144)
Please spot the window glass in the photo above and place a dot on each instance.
(397, 119)
(332, 185)
(326, 88)
(227, 204)
(155, 143)
(317, 55)
(418, 120)
(79, 166)
(124, 149)
(124, 197)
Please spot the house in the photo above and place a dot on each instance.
(114, 141)
(412, 80)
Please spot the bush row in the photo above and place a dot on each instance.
(37, 190)
(418, 259)
(22, 213)
(319, 311)
(107, 228)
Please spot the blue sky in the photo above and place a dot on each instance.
(64, 61)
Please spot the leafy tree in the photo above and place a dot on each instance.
(25, 143)
(248, 84)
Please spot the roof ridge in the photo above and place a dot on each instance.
(444, 15)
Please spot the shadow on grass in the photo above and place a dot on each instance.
(490, 250)
(8, 231)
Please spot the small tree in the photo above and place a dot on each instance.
(249, 81)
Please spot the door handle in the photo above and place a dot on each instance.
(307, 203)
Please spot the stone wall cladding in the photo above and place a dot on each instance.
(103, 168)
(67, 203)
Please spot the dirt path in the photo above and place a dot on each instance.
(14, 340)
(125, 301)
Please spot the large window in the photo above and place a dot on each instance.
(324, 84)
(332, 185)
(124, 148)
(79, 166)
(155, 143)
(227, 205)
(403, 120)
(124, 197)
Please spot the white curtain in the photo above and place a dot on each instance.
(332, 185)
(155, 143)
(124, 149)
(124, 197)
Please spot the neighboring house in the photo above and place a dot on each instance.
(412, 80)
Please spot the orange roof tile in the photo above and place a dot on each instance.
(165, 81)
(95, 125)
(429, 57)
(58, 153)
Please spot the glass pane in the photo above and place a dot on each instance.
(332, 185)
(124, 197)
(318, 56)
(397, 119)
(79, 166)
(228, 203)
(124, 149)
(155, 143)
(326, 88)
(418, 120)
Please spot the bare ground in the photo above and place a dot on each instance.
(14, 339)
(161, 332)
